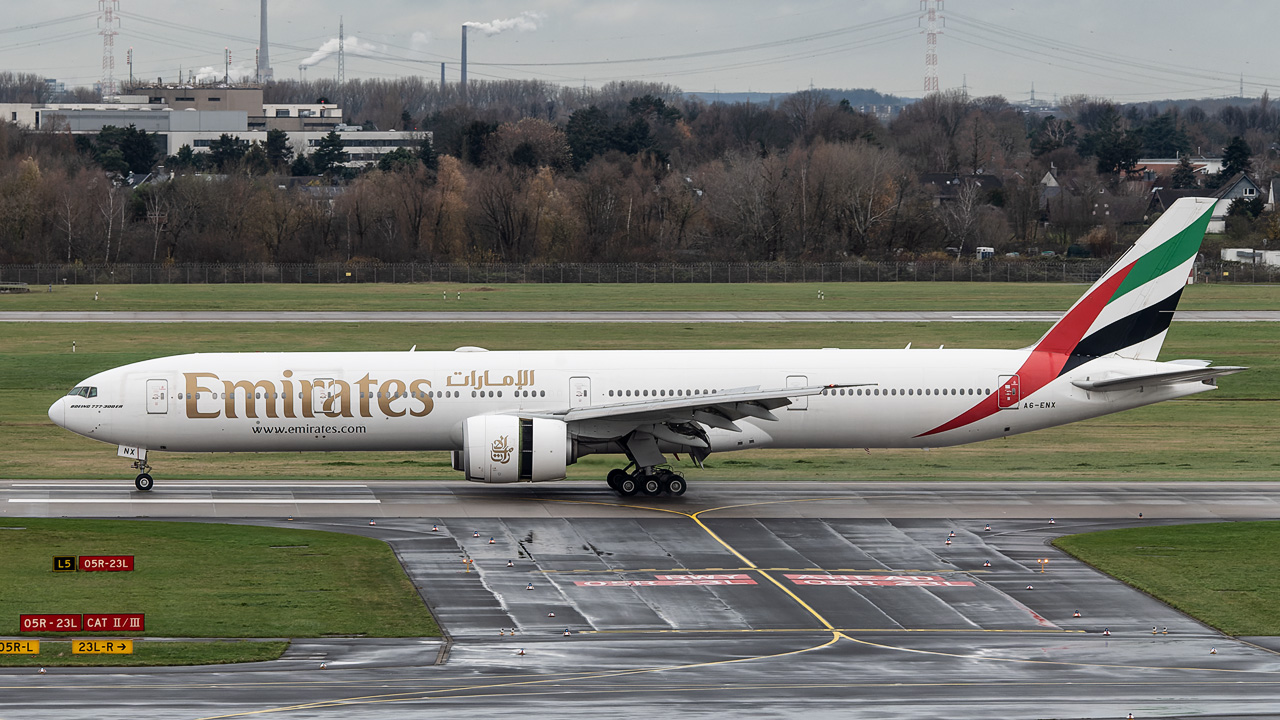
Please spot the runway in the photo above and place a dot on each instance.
(739, 599)
(599, 317)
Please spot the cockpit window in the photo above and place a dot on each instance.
(84, 391)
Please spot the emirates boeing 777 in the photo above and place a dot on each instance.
(525, 416)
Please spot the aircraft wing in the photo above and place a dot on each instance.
(719, 410)
(1167, 377)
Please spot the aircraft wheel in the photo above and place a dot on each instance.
(652, 485)
(615, 478)
(628, 486)
(143, 482)
(675, 485)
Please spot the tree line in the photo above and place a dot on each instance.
(527, 171)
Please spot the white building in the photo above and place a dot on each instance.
(180, 115)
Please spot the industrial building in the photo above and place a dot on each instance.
(196, 115)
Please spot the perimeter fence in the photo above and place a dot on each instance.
(1073, 271)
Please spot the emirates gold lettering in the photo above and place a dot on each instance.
(209, 396)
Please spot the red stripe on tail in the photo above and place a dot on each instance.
(1049, 355)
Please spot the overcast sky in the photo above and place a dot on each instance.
(1130, 50)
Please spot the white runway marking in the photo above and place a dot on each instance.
(205, 501)
(185, 485)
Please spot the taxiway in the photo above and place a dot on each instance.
(739, 599)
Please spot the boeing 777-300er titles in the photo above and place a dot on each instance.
(525, 416)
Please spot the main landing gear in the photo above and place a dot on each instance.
(143, 482)
(650, 481)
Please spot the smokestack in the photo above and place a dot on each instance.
(264, 59)
(441, 77)
(464, 64)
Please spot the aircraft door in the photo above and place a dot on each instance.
(322, 392)
(157, 397)
(1009, 396)
(795, 381)
(579, 392)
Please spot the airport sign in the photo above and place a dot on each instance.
(101, 647)
(114, 622)
(64, 563)
(19, 647)
(48, 623)
(106, 563)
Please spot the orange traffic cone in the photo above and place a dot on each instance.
(435, 528)
(521, 652)
(986, 563)
(475, 533)
(566, 632)
(953, 534)
(1155, 630)
(988, 528)
(1213, 651)
(324, 666)
(1051, 522)
(948, 542)
(1106, 632)
(1076, 614)
(1030, 587)
(41, 671)
(372, 522)
(551, 614)
(530, 587)
(511, 563)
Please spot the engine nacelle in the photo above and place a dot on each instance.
(509, 448)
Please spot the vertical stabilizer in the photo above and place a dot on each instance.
(1128, 310)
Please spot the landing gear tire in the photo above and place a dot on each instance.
(615, 478)
(143, 482)
(627, 486)
(675, 485)
(652, 485)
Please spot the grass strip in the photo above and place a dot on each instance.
(210, 580)
(1227, 575)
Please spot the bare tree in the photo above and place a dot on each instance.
(960, 216)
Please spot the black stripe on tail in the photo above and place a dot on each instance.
(1142, 325)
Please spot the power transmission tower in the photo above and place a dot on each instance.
(108, 28)
(342, 60)
(930, 9)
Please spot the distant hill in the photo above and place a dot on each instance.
(856, 97)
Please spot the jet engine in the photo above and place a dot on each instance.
(508, 448)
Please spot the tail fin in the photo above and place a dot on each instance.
(1128, 311)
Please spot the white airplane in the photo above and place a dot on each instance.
(525, 416)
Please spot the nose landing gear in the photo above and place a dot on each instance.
(143, 482)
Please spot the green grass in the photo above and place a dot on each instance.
(150, 653)
(588, 297)
(1215, 436)
(1224, 574)
(205, 580)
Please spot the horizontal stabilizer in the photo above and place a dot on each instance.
(1168, 377)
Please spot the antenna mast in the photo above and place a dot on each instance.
(930, 9)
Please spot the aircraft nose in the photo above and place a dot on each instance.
(58, 412)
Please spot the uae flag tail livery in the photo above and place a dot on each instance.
(1124, 316)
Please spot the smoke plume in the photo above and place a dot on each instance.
(524, 22)
(353, 46)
